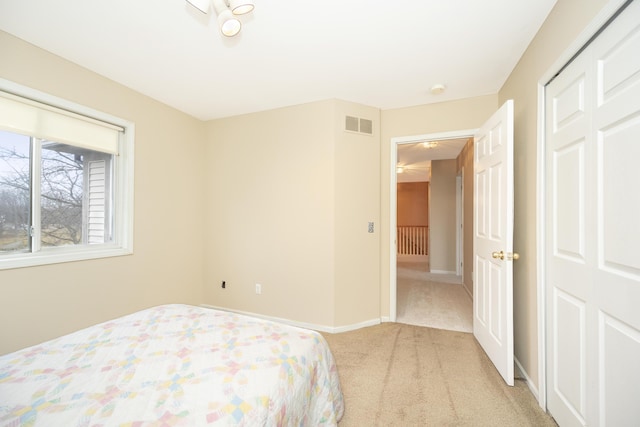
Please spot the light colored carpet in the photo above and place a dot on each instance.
(433, 300)
(403, 375)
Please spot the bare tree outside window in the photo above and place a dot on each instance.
(61, 195)
(14, 192)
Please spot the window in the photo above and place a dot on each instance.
(66, 187)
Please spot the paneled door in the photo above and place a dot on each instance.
(593, 231)
(493, 239)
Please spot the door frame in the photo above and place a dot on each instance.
(607, 13)
(393, 197)
(460, 224)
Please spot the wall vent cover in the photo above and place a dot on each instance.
(359, 125)
(351, 124)
(366, 126)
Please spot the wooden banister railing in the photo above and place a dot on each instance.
(412, 239)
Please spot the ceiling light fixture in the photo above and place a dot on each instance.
(228, 23)
(399, 169)
(430, 144)
(227, 10)
(437, 89)
(241, 7)
(202, 5)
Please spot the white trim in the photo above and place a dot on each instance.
(393, 227)
(61, 255)
(354, 326)
(123, 179)
(540, 254)
(443, 272)
(527, 379)
(393, 219)
(35, 199)
(606, 13)
(320, 328)
(460, 223)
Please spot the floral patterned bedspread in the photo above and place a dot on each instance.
(174, 365)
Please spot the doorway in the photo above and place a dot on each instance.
(428, 290)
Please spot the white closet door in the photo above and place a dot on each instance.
(593, 231)
(568, 257)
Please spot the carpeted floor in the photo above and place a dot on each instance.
(433, 300)
(403, 375)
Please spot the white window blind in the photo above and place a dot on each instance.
(30, 117)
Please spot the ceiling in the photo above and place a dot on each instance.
(384, 54)
(415, 158)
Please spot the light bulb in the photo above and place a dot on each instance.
(229, 25)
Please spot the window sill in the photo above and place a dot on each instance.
(61, 255)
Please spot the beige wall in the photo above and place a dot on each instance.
(563, 25)
(357, 202)
(464, 168)
(450, 116)
(442, 212)
(413, 203)
(39, 303)
(291, 194)
(270, 200)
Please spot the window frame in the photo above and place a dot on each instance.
(123, 188)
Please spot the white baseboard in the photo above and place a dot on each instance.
(320, 328)
(353, 327)
(527, 379)
(442, 272)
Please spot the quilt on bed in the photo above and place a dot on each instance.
(174, 365)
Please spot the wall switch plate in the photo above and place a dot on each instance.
(258, 288)
(370, 227)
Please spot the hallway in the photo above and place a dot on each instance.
(434, 300)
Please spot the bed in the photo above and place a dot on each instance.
(174, 365)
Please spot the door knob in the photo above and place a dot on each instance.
(509, 255)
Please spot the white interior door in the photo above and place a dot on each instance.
(493, 239)
(592, 232)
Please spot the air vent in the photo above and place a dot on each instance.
(366, 126)
(351, 124)
(356, 124)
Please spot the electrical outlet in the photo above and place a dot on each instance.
(370, 227)
(258, 288)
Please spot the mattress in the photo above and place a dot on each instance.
(174, 365)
